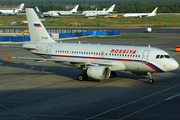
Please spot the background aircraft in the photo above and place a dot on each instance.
(95, 61)
(12, 12)
(111, 16)
(74, 10)
(153, 13)
(110, 10)
(46, 14)
(92, 14)
(56, 13)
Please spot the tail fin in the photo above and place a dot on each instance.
(74, 10)
(37, 9)
(20, 8)
(37, 30)
(155, 10)
(153, 13)
(111, 8)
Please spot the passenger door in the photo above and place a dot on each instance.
(145, 56)
(48, 51)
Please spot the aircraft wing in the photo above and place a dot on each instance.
(60, 60)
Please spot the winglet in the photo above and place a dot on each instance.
(8, 57)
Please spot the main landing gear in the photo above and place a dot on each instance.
(151, 80)
(82, 77)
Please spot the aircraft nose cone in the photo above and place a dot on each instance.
(174, 65)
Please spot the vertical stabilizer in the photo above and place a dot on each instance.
(37, 9)
(74, 10)
(153, 13)
(20, 8)
(111, 8)
(37, 30)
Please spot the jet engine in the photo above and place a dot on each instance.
(99, 72)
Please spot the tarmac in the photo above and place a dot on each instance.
(32, 90)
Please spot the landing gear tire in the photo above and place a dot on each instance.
(81, 77)
(113, 74)
(150, 81)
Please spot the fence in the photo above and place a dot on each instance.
(60, 35)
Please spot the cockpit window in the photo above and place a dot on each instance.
(157, 56)
(167, 56)
(162, 56)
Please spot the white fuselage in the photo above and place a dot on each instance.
(62, 12)
(8, 12)
(138, 14)
(121, 58)
(95, 12)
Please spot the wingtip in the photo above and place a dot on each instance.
(8, 57)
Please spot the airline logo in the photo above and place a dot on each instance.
(155, 10)
(21, 7)
(37, 25)
(123, 51)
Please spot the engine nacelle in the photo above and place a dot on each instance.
(99, 72)
(140, 73)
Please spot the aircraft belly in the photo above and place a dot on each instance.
(138, 66)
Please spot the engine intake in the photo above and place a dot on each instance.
(99, 72)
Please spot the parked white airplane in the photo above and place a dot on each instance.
(95, 61)
(56, 13)
(46, 14)
(74, 10)
(92, 14)
(153, 13)
(12, 12)
(110, 10)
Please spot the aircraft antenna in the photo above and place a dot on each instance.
(149, 45)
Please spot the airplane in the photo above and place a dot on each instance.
(95, 60)
(92, 14)
(103, 12)
(46, 14)
(153, 13)
(111, 16)
(74, 10)
(12, 12)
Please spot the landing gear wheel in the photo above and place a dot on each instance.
(113, 74)
(150, 81)
(81, 77)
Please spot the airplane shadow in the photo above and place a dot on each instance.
(61, 70)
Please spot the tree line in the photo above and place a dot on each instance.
(81, 2)
(119, 8)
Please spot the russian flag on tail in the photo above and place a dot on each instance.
(37, 25)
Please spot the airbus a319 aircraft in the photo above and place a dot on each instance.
(12, 12)
(95, 61)
(153, 13)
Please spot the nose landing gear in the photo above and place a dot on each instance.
(151, 80)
